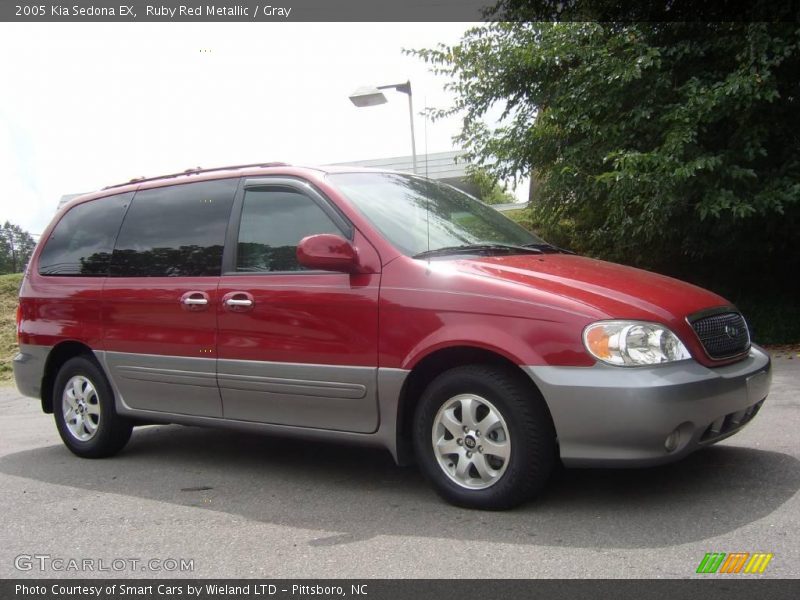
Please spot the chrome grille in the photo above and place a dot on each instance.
(723, 335)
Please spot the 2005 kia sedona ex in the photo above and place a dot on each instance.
(371, 307)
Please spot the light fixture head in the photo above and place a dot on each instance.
(367, 96)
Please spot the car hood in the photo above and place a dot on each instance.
(615, 290)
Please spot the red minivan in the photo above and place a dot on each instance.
(371, 307)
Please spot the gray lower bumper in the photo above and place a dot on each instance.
(612, 416)
(28, 367)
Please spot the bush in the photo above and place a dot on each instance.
(666, 146)
(9, 291)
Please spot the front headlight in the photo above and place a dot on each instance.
(633, 343)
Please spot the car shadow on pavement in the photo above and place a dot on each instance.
(350, 494)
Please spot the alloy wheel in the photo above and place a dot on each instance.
(471, 441)
(81, 408)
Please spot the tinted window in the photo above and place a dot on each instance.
(418, 214)
(273, 222)
(82, 242)
(175, 231)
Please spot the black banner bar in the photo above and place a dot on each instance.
(716, 588)
(278, 11)
(397, 10)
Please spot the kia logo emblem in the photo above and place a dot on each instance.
(731, 331)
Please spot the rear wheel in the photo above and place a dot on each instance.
(84, 411)
(484, 438)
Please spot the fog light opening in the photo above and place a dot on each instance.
(672, 441)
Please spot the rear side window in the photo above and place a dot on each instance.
(82, 241)
(175, 231)
(273, 222)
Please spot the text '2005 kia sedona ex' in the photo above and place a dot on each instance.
(377, 308)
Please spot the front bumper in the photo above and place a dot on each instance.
(618, 417)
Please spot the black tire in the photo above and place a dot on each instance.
(533, 453)
(111, 432)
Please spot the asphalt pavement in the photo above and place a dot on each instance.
(235, 505)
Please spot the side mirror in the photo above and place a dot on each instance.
(328, 252)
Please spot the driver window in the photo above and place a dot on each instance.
(273, 222)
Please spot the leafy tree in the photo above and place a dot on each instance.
(489, 189)
(16, 247)
(667, 145)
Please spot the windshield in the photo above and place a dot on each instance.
(396, 205)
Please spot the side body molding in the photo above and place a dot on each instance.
(127, 372)
(336, 397)
(168, 384)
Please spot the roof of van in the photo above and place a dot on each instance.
(252, 166)
(252, 170)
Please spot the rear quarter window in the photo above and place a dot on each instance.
(83, 240)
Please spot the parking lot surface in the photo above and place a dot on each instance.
(247, 506)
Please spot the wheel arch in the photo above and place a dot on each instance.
(433, 364)
(58, 355)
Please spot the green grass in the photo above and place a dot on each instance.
(9, 286)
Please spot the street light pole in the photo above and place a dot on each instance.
(413, 139)
(371, 96)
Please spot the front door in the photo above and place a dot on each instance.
(296, 347)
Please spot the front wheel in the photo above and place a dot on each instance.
(484, 438)
(83, 408)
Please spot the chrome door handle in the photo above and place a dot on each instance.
(237, 302)
(194, 301)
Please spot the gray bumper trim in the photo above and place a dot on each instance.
(28, 367)
(615, 416)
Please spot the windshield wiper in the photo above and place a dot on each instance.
(478, 248)
(549, 248)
